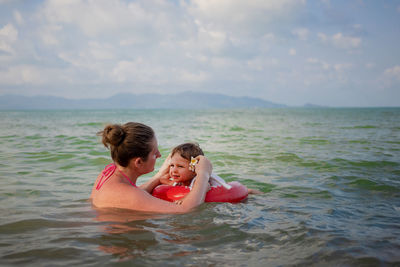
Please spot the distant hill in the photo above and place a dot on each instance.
(310, 105)
(186, 100)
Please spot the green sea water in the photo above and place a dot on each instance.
(330, 177)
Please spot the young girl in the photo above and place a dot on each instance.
(182, 168)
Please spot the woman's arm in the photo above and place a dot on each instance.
(143, 201)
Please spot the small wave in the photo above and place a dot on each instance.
(303, 192)
(37, 155)
(288, 157)
(34, 137)
(82, 142)
(365, 163)
(313, 141)
(25, 193)
(100, 161)
(367, 184)
(8, 136)
(393, 142)
(363, 142)
(34, 224)
(263, 187)
(97, 124)
(316, 165)
(312, 124)
(57, 157)
(64, 137)
(237, 129)
(23, 172)
(365, 127)
(98, 153)
(55, 254)
(361, 127)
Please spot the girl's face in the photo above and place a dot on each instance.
(152, 157)
(179, 169)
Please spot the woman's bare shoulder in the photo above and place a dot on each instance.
(112, 195)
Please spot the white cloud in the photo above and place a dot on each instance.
(322, 64)
(393, 73)
(128, 23)
(323, 37)
(214, 40)
(341, 41)
(125, 69)
(8, 36)
(131, 22)
(346, 42)
(101, 51)
(49, 34)
(390, 78)
(22, 74)
(321, 73)
(159, 32)
(370, 65)
(326, 2)
(192, 77)
(292, 52)
(261, 64)
(239, 17)
(301, 33)
(312, 60)
(18, 17)
(342, 66)
(140, 70)
(89, 17)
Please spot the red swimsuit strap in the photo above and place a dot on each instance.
(108, 172)
(127, 178)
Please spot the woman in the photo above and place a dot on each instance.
(134, 150)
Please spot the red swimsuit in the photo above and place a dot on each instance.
(108, 172)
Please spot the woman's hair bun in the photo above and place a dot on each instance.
(127, 141)
(112, 135)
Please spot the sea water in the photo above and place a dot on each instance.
(330, 177)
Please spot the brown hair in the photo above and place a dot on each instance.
(127, 141)
(188, 150)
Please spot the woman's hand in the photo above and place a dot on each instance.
(203, 166)
(163, 173)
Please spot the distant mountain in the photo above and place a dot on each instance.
(310, 105)
(185, 100)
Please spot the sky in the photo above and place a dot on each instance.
(326, 52)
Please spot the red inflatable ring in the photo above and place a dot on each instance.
(237, 193)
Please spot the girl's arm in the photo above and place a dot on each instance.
(254, 191)
(150, 184)
(166, 181)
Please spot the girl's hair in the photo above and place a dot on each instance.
(188, 150)
(127, 141)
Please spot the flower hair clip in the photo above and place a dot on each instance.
(192, 164)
